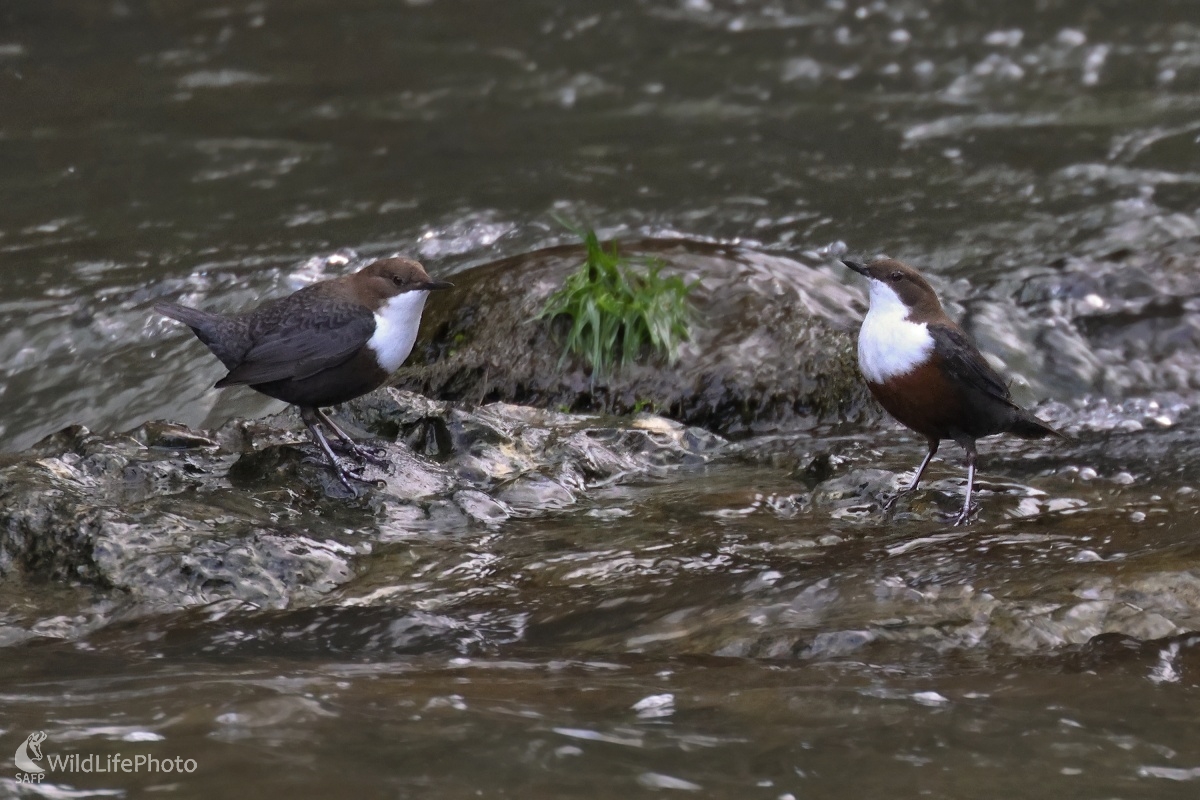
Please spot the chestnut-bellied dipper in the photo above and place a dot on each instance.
(323, 345)
(927, 373)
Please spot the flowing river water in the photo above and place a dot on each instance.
(738, 620)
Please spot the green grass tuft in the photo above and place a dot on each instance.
(616, 311)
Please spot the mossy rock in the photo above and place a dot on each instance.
(772, 344)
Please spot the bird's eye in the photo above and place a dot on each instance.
(396, 279)
(896, 276)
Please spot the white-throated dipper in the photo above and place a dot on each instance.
(927, 373)
(323, 345)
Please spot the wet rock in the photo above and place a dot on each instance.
(235, 628)
(482, 508)
(1114, 442)
(772, 342)
(903, 613)
(1115, 324)
(857, 485)
(856, 493)
(165, 518)
(837, 644)
(175, 564)
(1171, 659)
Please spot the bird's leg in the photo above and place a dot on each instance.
(360, 452)
(965, 514)
(312, 420)
(933, 448)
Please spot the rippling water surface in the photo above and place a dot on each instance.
(719, 630)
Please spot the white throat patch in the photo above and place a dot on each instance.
(396, 324)
(888, 344)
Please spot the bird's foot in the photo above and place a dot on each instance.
(346, 475)
(963, 517)
(343, 472)
(891, 501)
(364, 453)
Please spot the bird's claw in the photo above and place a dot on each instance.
(372, 456)
(891, 501)
(363, 453)
(346, 475)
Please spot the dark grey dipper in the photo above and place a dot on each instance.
(927, 373)
(323, 345)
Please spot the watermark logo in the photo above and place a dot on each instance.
(29, 753)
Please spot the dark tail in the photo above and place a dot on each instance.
(199, 321)
(208, 328)
(1028, 426)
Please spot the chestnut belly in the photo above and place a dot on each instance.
(937, 407)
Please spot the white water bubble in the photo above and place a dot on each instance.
(1008, 38)
(930, 698)
(1071, 37)
(655, 706)
(656, 780)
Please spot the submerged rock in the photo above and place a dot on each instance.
(166, 518)
(772, 342)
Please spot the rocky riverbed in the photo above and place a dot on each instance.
(164, 518)
(514, 564)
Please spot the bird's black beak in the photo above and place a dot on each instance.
(857, 266)
(439, 285)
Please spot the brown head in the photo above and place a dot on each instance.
(376, 283)
(892, 279)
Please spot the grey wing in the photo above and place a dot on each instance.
(295, 346)
(964, 361)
